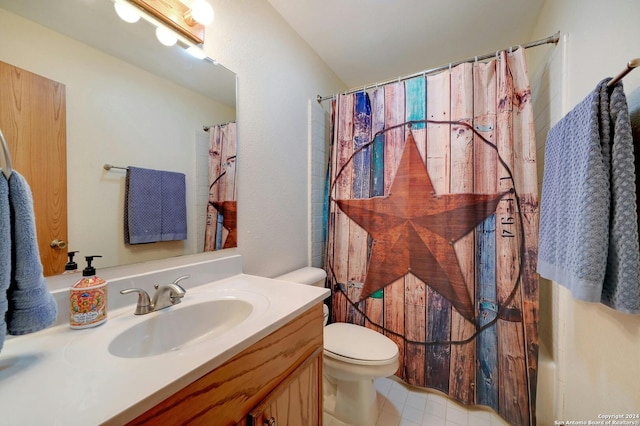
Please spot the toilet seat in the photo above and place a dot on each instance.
(356, 344)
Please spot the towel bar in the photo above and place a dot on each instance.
(111, 166)
(630, 66)
(6, 162)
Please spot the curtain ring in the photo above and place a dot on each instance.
(510, 50)
(476, 60)
(450, 67)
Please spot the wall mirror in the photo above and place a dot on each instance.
(130, 101)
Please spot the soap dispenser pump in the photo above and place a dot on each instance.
(88, 298)
(71, 267)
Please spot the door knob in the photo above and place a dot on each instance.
(58, 244)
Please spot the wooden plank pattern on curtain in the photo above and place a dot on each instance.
(513, 393)
(526, 185)
(439, 168)
(394, 114)
(473, 129)
(343, 148)
(487, 381)
(374, 304)
(415, 306)
(461, 381)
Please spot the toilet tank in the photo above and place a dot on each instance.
(307, 275)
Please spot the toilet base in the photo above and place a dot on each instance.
(351, 402)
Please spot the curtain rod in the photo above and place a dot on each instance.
(206, 128)
(551, 39)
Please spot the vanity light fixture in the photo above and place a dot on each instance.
(166, 36)
(201, 12)
(166, 16)
(178, 16)
(126, 12)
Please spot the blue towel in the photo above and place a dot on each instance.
(5, 254)
(588, 238)
(155, 206)
(31, 306)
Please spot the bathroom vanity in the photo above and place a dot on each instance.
(238, 349)
(277, 379)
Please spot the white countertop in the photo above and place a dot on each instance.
(61, 376)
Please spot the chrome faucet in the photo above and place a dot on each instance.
(165, 296)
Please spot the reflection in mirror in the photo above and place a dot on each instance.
(129, 102)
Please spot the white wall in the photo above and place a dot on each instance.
(118, 114)
(279, 77)
(596, 349)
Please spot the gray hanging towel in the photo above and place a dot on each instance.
(155, 206)
(588, 221)
(621, 288)
(31, 306)
(5, 254)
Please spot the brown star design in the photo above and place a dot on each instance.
(228, 210)
(414, 229)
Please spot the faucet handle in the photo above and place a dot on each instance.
(184, 277)
(175, 282)
(144, 302)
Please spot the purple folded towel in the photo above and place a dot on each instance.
(155, 206)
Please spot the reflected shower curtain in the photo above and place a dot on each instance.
(221, 230)
(432, 235)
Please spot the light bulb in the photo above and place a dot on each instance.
(202, 12)
(126, 12)
(196, 52)
(166, 36)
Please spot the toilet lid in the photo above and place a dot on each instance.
(358, 343)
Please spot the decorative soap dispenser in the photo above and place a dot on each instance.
(88, 299)
(71, 267)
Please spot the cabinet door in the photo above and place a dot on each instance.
(297, 401)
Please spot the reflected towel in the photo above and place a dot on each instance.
(5, 254)
(31, 306)
(155, 206)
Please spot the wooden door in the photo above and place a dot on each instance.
(33, 120)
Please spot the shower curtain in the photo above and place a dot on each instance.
(432, 229)
(221, 231)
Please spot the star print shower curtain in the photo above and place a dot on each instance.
(220, 230)
(432, 230)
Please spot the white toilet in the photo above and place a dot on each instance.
(353, 357)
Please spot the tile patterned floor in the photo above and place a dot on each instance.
(401, 405)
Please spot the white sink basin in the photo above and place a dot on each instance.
(174, 331)
(168, 330)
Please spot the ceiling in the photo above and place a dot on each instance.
(365, 41)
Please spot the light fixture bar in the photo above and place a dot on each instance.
(172, 14)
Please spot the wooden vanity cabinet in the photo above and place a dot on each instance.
(296, 401)
(278, 377)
